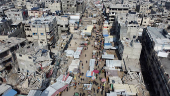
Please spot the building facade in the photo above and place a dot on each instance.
(7, 53)
(69, 6)
(42, 29)
(117, 9)
(56, 6)
(155, 46)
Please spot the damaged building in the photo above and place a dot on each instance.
(7, 51)
(9, 29)
(31, 58)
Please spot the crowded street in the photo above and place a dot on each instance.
(90, 51)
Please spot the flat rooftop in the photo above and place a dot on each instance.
(119, 6)
(161, 41)
(62, 20)
(42, 20)
(10, 42)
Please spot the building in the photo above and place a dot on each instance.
(30, 5)
(69, 6)
(129, 47)
(117, 9)
(9, 29)
(16, 14)
(32, 58)
(47, 2)
(80, 6)
(43, 29)
(35, 12)
(6, 7)
(156, 48)
(132, 4)
(7, 52)
(146, 21)
(56, 6)
(127, 18)
(144, 8)
(62, 23)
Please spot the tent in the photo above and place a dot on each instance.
(69, 53)
(110, 47)
(74, 66)
(90, 72)
(78, 52)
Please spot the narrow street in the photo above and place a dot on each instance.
(88, 52)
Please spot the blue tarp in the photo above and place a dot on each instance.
(35, 8)
(105, 35)
(10, 92)
(107, 44)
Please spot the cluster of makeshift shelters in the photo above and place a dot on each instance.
(63, 81)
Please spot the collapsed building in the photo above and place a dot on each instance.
(31, 57)
(7, 52)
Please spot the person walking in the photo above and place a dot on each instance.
(82, 65)
(74, 87)
(97, 91)
(94, 90)
(86, 61)
(85, 55)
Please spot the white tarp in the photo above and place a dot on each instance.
(74, 64)
(4, 88)
(112, 94)
(78, 52)
(34, 93)
(109, 47)
(48, 92)
(69, 53)
(59, 84)
(90, 72)
(163, 54)
(92, 63)
(76, 56)
(113, 63)
(74, 17)
(108, 56)
(60, 79)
